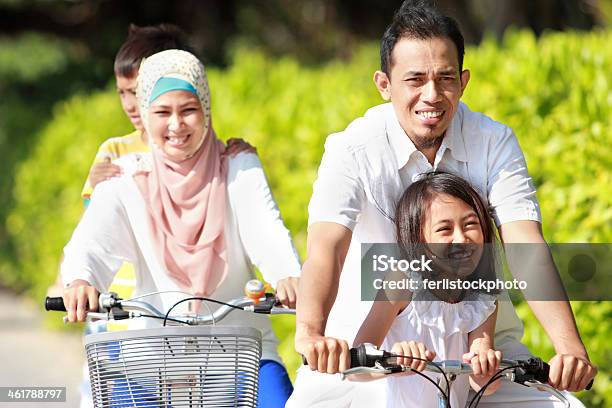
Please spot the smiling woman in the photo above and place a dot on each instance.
(177, 124)
(192, 219)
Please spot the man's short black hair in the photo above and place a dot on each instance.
(419, 20)
(142, 42)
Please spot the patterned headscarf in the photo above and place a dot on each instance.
(186, 200)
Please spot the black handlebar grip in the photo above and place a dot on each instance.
(542, 374)
(357, 359)
(590, 385)
(55, 303)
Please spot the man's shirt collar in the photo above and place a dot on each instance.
(403, 147)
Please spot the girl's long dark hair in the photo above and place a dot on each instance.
(414, 205)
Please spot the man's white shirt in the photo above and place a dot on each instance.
(365, 169)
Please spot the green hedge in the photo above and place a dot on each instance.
(36, 71)
(555, 92)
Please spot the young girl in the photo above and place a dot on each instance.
(443, 216)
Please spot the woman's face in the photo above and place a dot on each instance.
(454, 229)
(176, 123)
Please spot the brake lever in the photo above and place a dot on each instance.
(548, 388)
(378, 368)
(263, 305)
(363, 370)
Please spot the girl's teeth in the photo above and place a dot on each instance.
(429, 115)
(461, 255)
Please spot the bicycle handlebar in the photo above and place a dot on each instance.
(54, 304)
(369, 356)
(112, 307)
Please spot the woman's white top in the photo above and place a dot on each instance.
(114, 229)
(443, 327)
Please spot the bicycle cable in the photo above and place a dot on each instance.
(445, 394)
(478, 396)
(159, 292)
(166, 317)
(161, 318)
(482, 390)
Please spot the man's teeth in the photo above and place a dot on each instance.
(429, 115)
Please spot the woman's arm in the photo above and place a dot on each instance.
(100, 244)
(266, 240)
(484, 359)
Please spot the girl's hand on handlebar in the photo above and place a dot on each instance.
(286, 291)
(485, 363)
(79, 298)
(409, 349)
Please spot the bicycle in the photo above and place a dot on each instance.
(187, 364)
(533, 372)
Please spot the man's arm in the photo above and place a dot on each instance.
(327, 246)
(571, 368)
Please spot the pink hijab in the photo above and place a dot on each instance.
(185, 201)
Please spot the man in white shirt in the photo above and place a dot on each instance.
(364, 170)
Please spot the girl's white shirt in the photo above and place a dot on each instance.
(114, 230)
(443, 328)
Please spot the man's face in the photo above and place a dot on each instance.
(126, 88)
(424, 87)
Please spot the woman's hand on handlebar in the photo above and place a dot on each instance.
(79, 298)
(286, 291)
(410, 349)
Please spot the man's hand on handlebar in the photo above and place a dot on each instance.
(286, 291)
(570, 372)
(79, 298)
(324, 354)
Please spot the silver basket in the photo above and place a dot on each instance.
(175, 367)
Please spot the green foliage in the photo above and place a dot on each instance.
(27, 65)
(31, 56)
(555, 92)
(48, 185)
(36, 70)
(594, 319)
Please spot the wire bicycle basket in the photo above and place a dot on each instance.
(178, 366)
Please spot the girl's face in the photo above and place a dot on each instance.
(454, 229)
(176, 123)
